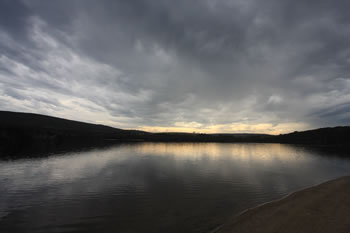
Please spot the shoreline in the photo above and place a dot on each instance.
(322, 208)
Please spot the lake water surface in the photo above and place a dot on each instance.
(154, 187)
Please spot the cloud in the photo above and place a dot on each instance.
(219, 65)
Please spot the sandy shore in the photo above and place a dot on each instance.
(324, 208)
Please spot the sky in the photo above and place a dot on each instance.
(210, 66)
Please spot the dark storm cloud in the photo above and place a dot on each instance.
(338, 114)
(156, 63)
(13, 16)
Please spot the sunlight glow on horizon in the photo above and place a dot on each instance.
(263, 128)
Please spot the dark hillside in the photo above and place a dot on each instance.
(325, 136)
(37, 121)
(27, 133)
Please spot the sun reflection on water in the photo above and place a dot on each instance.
(237, 151)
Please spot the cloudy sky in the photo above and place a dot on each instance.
(269, 66)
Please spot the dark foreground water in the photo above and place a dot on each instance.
(154, 187)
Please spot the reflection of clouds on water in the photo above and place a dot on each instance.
(259, 167)
(248, 160)
(64, 168)
(82, 174)
(160, 177)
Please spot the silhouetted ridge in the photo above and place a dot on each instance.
(31, 120)
(327, 136)
(23, 133)
(27, 133)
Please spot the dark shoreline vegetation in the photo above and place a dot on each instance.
(23, 134)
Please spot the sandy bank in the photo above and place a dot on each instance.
(323, 209)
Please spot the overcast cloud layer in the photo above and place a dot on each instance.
(203, 65)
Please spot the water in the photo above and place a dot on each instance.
(154, 187)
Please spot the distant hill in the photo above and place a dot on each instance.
(37, 121)
(31, 120)
(27, 132)
(324, 136)
(23, 133)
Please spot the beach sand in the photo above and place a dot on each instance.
(324, 208)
